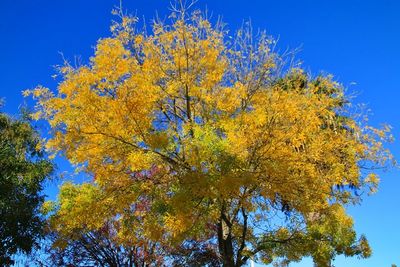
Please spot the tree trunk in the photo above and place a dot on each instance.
(225, 241)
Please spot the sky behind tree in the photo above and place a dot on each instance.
(356, 41)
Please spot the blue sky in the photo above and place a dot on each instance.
(355, 40)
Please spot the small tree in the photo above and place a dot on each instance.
(22, 173)
(225, 144)
(95, 248)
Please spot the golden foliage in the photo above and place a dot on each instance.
(200, 126)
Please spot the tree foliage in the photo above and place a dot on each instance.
(22, 173)
(194, 136)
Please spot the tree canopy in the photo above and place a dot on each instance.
(22, 173)
(196, 137)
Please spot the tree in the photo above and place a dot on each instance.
(104, 247)
(95, 248)
(99, 241)
(22, 173)
(226, 144)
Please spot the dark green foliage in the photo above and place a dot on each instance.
(22, 173)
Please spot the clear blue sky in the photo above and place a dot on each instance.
(357, 41)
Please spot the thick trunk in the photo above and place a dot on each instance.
(225, 242)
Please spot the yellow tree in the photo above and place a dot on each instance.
(192, 135)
